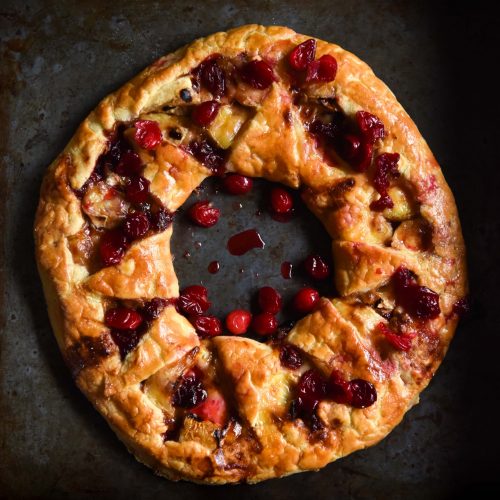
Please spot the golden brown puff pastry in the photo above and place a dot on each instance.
(314, 118)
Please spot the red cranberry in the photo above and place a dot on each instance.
(306, 300)
(258, 74)
(327, 131)
(270, 300)
(302, 55)
(194, 300)
(419, 301)
(204, 114)
(370, 125)
(147, 134)
(237, 184)
(363, 393)
(281, 201)
(386, 166)
(208, 155)
(137, 189)
(290, 357)
(188, 392)
(207, 325)
(461, 307)
(379, 205)
(322, 70)
(339, 389)
(211, 75)
(238, 321)
(349, 146)
(126, 340)
(152, 309)
(264, 324)
(204, 214)
(136, 225)
(161, 219)
(400, 341)
(316, 267)
(122, 318)
(129, 164)
(311, 389)
(286, 270)
(112, 247)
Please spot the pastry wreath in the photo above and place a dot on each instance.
(262, 102)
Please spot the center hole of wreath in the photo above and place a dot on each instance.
(199, 251)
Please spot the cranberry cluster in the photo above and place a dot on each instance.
(420, 302)
(313, 388)
(129, 325)
(303, 64)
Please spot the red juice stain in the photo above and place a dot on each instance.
(286, 270)
(213, 267)
(241, 243)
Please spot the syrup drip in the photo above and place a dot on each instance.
(213, 267)
(286, 270)
(241, 243)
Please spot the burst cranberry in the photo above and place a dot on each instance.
(147, 134)
(188, 392)
(208, 155)
(281, 201)
(400, 341)
(207, 325)
(322, 70)
(290, 357)
(122, 318)
(126, 340)
(204, 114)
(137, 189)
(264, 324)
(152, 309)
(339, 389)
(461, 307)
(363, 393)
(370, 125)
(316, 267)
(383, 202)
(161, 219)
(258, 74)
(129, 164)
(386, 166)
(270, 300)
(306, 300)
(214, 408)
(112, 247)
(194, 300)
(204, 214)
(419, 301)
(238, 321)
(311, 389)
(302, 55)
(136, 225)
(237, 184)
(357, 152)
(327, 131)
(211, 75)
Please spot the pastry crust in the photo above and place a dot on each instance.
(134, 394)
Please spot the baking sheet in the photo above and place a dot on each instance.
(58, 59)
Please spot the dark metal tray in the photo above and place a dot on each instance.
(59, 58)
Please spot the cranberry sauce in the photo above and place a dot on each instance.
(232, 262)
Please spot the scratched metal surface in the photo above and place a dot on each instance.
(58, 59)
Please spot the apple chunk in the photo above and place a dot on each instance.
(227, 124)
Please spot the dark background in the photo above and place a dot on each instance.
(58, 59)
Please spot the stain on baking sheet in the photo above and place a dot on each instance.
(58, 59)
